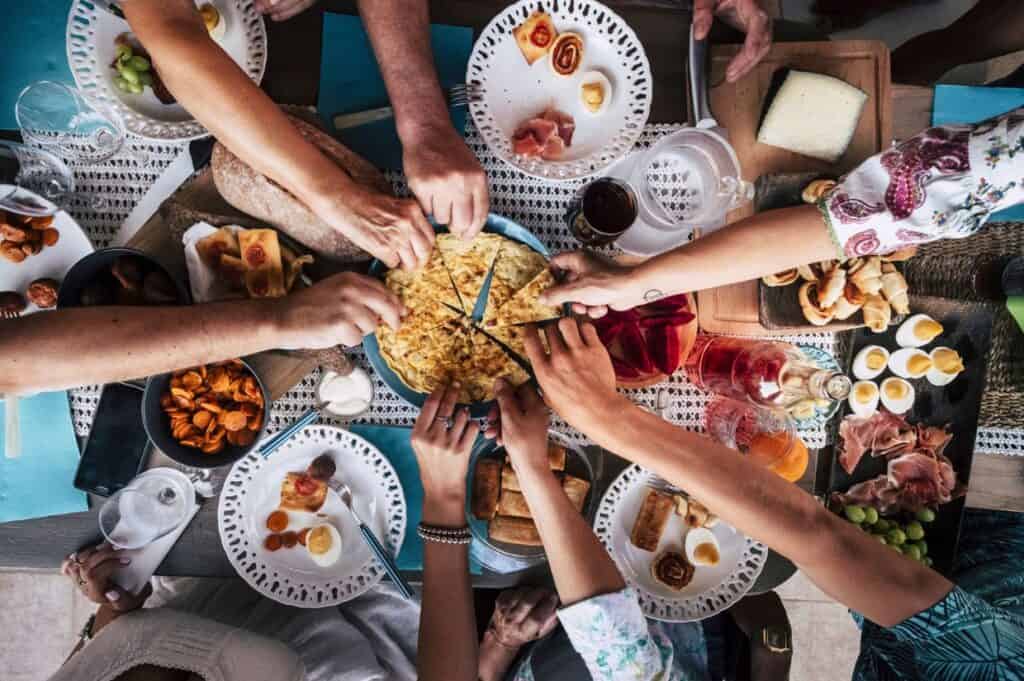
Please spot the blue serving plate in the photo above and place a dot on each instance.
(496, 224)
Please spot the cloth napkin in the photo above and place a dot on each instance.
(40, 482)
(969, 104)
(394, 443)
(350, 82)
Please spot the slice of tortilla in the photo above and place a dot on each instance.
(525, 306)
(489, 362)
(426, 358)
(469, 262)
(516, 266)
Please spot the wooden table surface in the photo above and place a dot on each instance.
(292, 78)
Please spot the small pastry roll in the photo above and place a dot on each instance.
(650, 521)
(514, 531)
(784, 278)
(672, 569)
(567, 54)
(894, 288)
(830, 288)
(848, 303)
(816, 189)
(813, 313)
(513, 504)
(868, 275)
(576, 489)
(486, 486)
(877, 313)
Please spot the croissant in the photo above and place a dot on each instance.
(816, 189)
(810, 272)
(868, 276)
(848, 303)
(894, 288)
(809, 304)
(784, 278)
(877, 313)
(831, 286)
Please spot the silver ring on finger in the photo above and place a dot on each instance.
(448, 421)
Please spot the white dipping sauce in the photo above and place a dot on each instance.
(345, 395)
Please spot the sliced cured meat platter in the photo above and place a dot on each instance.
(967, 329)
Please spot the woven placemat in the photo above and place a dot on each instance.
(947, 268)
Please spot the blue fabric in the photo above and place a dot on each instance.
(33, 50)
(350, 81)
(40, 482)
(976, 631)
(394, 442)
(967, 104)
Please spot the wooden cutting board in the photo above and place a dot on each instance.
(738, 107)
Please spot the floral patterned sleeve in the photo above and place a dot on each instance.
(943, 183)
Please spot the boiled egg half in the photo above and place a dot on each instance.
(702, 547)
(897, 395)
(323, 544)
(946, 366)
(595, 92)
(910, 363)
(870, 362)
(864, 398)
(918, 330)
(214, 21)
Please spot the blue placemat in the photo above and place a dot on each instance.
(968, 104)
(40, 482)
(33, 50)
(394, 443)
(350, 81)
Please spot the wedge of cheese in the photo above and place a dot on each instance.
(813, 115)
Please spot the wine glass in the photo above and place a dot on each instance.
(53, 114)
(150, 507)
(37, 183)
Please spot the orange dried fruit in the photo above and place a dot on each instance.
(213, 447)
(234, 420)
(210, 405)
(277, 521)
(256, 422)
(182, 392)
(202, 418)
(51, 236)
(192, 380)
(249, 408)
(246, 438)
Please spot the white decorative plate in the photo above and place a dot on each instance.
(712, 590)
(289, 576)
(512, 91)
(90, 36)
(53, 262)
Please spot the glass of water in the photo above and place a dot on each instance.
(55, 115)
(151, 507)
(33, 181)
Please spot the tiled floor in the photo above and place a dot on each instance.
(825, 639)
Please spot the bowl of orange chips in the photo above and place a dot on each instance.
(206, 416)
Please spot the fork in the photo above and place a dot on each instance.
(458, 96)
(12, 429)
(343, 491)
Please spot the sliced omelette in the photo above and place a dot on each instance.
(434, 274)
(516, 266)
(489, 362)
(468, 262)
(525, 307)
(513, 338)
(427, 358)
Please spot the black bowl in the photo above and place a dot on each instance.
(158, 427)
(86, 270)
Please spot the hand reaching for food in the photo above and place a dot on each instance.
(523, 615)
(743, 15)
(447, 180)
(594, 283)
(91, 570)
(442, 439)
(280, 10)
(520, 423)
(341, 309)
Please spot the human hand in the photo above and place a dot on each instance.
(442, 440)
(577, 377)
(91, 568)
(743, 15)
(519, 421)
(594, 283)
(279, 10)
(391, 229)
(522, 615)
(447, 180)
(340, 309)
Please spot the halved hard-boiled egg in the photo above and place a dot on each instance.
(897, 395)
(214, 20)
(910, 363)
(946, 366)
(702, 547)
(595, 92)
(864, 398)
(870, 362)
(323, 544)
(918, 330)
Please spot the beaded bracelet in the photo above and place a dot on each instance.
(444, 535)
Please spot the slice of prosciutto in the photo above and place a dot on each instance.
(882, 434)
(546, 135)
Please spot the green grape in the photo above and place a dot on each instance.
(146, 78)
(128, 73)
(882, 525)
(923, 545)
(913, 551)
(914, 530)
(870, 515)
(122, 84)
(139, 63)
(925, 515)
(896, 536)
(855, 514)
(122, 51)
(136, 88)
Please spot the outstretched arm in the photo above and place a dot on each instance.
(221, 96)
(846, 563)
(443, 173)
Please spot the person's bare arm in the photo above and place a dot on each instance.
(845, 562)
(579, 564)
(447, 641)
(77, 346)
(763, 244)
(443, 173)
(208, 83)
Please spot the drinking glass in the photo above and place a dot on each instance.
(767, 436)
(150, 507)
(53, 114)
(37, 182)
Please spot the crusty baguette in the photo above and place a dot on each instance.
(576, 489)
(513, 504)
(650, 521)
(520, 531)
(253, 193)
(486, 486)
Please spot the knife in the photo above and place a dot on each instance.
(194, 157)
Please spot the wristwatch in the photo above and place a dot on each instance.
(777, 639)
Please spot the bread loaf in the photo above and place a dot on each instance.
(257, 195)
(486, 487)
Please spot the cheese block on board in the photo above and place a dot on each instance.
(814, 115)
